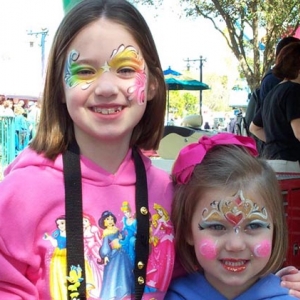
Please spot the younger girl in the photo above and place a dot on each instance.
(104, 98)
(230, 228)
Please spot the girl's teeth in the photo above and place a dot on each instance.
(107, 111)
(234, 264)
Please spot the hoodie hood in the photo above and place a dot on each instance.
(91, 173)
(195, 286)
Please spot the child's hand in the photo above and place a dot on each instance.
(290, 278)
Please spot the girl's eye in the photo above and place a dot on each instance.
(82, 71)
(211, 226)
(257, 225)
(85, 72)
(217, 227)
(127, 71)
(254, 226)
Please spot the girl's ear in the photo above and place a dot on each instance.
(152, 88)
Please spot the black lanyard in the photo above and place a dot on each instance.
(74, 228)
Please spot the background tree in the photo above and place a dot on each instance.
(182, 103)
(251, 28)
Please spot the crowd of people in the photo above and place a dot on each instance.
(26, 116)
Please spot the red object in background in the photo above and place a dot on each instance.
(290, 31)
(290, 187)
(297, 33)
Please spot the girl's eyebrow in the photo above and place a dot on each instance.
(85, 61)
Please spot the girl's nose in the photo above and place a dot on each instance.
(106, 85)
(235, 241)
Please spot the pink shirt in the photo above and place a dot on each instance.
(32, 231)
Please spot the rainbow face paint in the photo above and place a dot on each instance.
(76, 74)
(124, 61)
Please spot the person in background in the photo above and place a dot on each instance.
(104, 100)
(33, 117)
(270, 80)
(278, 123)
(206, 125)
(21, 128)
(2, 99)
(229, 221)
(7, 109)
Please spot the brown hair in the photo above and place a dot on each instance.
(284, 42)
(288, 62)
(230, 168)
(55, 131)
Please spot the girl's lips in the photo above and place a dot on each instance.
(107, 110)
(234, 265)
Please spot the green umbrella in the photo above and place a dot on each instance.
(176, 82)
(68, 4)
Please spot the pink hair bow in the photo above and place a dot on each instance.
(193, 154)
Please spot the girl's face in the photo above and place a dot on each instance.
(106, 82)
(232, 236)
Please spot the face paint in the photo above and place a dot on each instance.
(235, 211)
(124, 60)
(129, 58)
(138, 90)
(208, 249)
(263, 249)
(76, 73)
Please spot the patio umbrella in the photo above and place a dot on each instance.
(176, 81)
(169, 71)
(185, 84)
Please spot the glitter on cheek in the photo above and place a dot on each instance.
(208, 249)
(263, 249)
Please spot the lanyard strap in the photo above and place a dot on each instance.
(142, 216)
(74, 228)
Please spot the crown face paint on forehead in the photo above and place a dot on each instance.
(123, 58)
(234, 210)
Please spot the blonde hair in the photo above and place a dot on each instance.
(18, 110)
(232, 168)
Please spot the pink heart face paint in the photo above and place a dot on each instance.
(125, 62)
(234, 210)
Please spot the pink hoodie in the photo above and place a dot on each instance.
(33, 239)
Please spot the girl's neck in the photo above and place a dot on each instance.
(108, 156)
